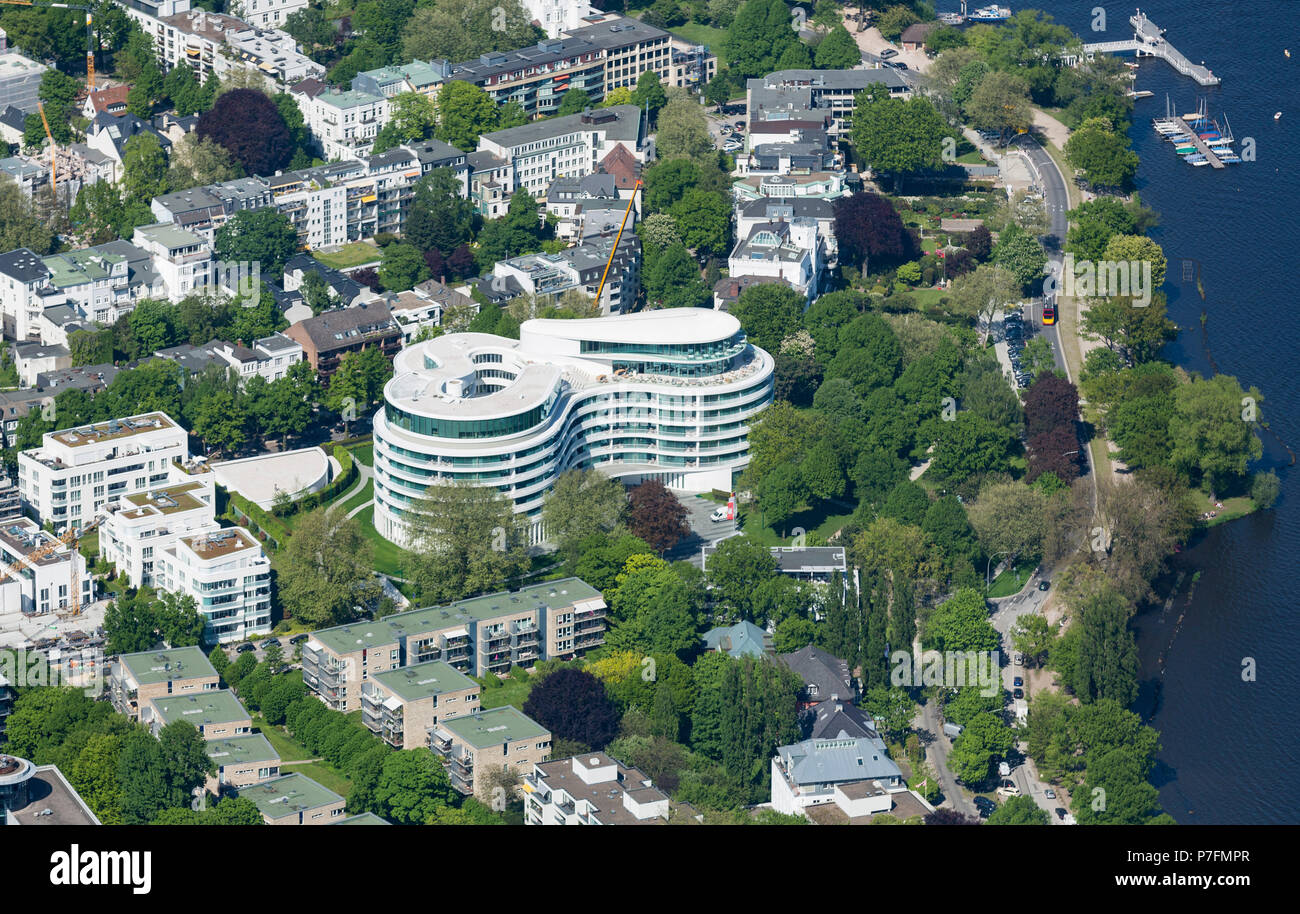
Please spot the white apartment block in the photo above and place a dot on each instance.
(134, 536)
(792, 251)
(229, 577)
(343, 123)
(591, 789)
(182, 258)
(266, 13)
(77, 471)
(556, 16)
(542, 151)
(44, 582)
(271, 357)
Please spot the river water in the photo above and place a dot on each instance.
(1229, 744)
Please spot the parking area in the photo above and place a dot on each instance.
(1010, 332)
(727, 128)
(704, 530)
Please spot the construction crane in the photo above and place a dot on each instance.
(69, 538)
(614, 250)
(54, 154)
(90, 31)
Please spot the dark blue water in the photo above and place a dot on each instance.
(1229, 746)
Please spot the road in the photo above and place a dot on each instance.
(930, 729)
(1057, 199)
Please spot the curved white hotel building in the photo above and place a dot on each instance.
(664, 395)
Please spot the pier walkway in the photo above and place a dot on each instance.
(1148, 41)
(1190, 131)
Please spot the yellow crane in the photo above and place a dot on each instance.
(617, 238)
(54, 154)
(70, 538)
(90, 32)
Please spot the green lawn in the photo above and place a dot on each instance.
(1232, 509)
(360, 498)
(364, 452)
(322, 774)
(290, 749)
(1011, 580)
(818, 524)
(388, 557)
(510, 692)
(350, 255)
(704, 34)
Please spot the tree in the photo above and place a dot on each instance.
(250, 127)
(704, 220)
(184, 757)
(649, 93)
(582, 502)
(736, 569)
(326, 569)
(465, 29)
(672, 280)
(1019, 811)
(196, 161)
(961, 624)
(219, 421)
(574, 705)
(20, 227)
(682, 129)
(412, 785)
(1138, 248)
(412, 117)
(867, 226)
(1103, 155)
(402, 266)
(1093, 223)
(1000, 102)
(261, 236)
(144, 167)
(896, 136)
(574, 101)
(838, 50)
(659, 232)
(981, 294)
(441, 218)
(757, 38)
(1212, 429)
(1010, 517)
(185, 91)
(1106, 665)
(466, 539)
(653, 610)
(767, 313)
(1032, 637)
(984, 740)
(466, 111)
(142, 771)
(655, 515)
(1020, 254)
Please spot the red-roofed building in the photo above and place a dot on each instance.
(106, 101)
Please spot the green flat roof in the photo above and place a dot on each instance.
(216, 707)
(150, 667)
(344, 639)
(169, 499)
(499, 725)
(252, 748)
(424, 680)
(365, 818)
(288, 794)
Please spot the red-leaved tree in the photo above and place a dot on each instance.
(655, 515)
(867, 226)
(249, 126)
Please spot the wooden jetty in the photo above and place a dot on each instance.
(1149, 41)
(1188, 129)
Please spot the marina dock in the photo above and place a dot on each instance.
(1149, 41)
(1188, 130)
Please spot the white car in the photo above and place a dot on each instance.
(719, 515)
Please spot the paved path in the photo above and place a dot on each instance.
(363, 476)
(930, 729)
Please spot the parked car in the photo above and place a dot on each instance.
(1043, 585)
(1049, 793)
(270, 641)
(985, 807)
(1017, 682)
(1061, 813)
(1008, 790)
(888, 53)
(298, 639)
(1018, 694)
(719, 515)
(245, 648)
(740, 125)
(1017, 659)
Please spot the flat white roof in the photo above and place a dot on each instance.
(664, 326)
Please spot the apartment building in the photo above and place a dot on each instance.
(294, 799)
(556, 16)
(592, 789)
(792, 251)
(630, 47)
(136, 679)
(752, 213)
(216, 714)
(539, 152)
(329, 336)
(545, 277)
(422, 77)
(229, 577)
(401, 706)
(76, 471)
(205, 209)
(855, 774)
(241, 762)
(48, 582)
(680, 387)
(473, 745)
(134, 536)
(265, 13)
(183, 258)
(426, 305)
(812, 95)
(481, 635)
(342, 122)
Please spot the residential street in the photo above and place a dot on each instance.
(930, 729)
